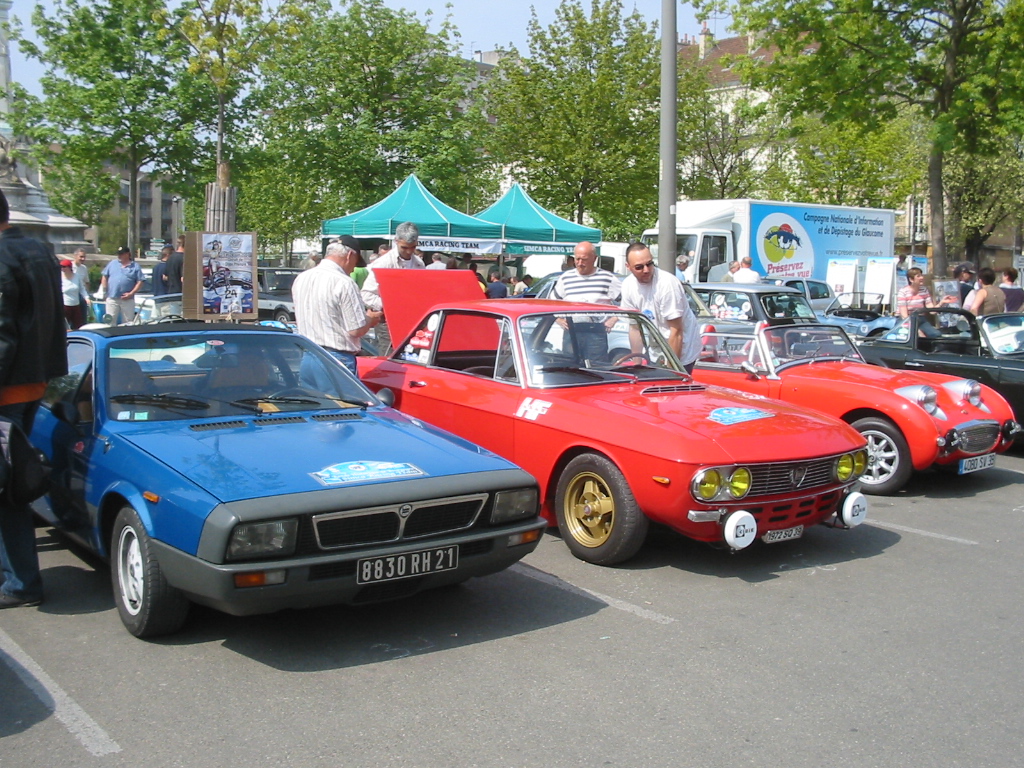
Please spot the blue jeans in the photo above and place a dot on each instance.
(18, 555)
(348, 359)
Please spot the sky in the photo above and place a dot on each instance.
(483, 24)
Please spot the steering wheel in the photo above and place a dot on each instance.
(639, 357)
(171, 319)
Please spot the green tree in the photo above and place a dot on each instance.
(984, 193)
(83, 188)
(358, 101)
(577, 120)
(846, 164)
(850, 61)
(113, 90)
(113, 229)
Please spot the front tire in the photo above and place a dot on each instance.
(147, 604)
(282, 317)
(889, 463)
(598, 516)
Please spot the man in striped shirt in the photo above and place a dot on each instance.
(589, 284)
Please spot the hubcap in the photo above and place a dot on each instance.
(883, 458)
(129, 571)
(589, 509)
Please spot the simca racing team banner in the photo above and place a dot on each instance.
(219, 278)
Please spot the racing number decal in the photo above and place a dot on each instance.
(531, 408)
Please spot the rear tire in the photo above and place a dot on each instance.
(282, 317)
(598, 516)
(889, 462)
(147, 604)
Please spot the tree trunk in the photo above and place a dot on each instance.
(134, 218)
(936, 205)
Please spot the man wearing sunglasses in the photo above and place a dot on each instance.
(659, 295)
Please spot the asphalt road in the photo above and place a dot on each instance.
(895, 644)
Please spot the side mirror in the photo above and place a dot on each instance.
(748, 367)
(387, 397)
(66, 412)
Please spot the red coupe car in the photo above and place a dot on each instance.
(590, 400)
(912, 420)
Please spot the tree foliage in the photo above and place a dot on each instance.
(577, 120)
(957, 61)
(357, 102)
(845, 164)
(984, 193)
(112, 91)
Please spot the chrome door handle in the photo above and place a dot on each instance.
(414, 384)
(912, 364)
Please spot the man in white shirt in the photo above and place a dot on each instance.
(402, 256)
(659, 295)
(745, 274)
(81, 277)
(328, 307)
(437, 261)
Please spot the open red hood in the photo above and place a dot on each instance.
(408, 294)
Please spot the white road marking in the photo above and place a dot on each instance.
(919, 532)
(611, 602)
(53, 697)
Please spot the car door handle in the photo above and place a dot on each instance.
(414, 384)
(912, 364)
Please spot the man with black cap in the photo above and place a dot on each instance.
(328, 307)
(964, 273)
(32, 351)
(122, 279)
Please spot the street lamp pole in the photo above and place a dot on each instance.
(667, 150)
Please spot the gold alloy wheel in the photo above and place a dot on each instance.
(589, 509)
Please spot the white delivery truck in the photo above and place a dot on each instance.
(848, 247)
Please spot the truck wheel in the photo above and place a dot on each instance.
(889, 464)
(598, 517)
(282, 316)
(147, 604)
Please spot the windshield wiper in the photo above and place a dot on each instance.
(177, 401)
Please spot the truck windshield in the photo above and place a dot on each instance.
(684, 244)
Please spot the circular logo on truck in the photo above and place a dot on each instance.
(784, 247)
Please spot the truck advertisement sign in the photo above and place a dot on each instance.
(798, 241)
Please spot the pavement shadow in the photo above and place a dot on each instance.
(20, 705)
(944, 483)
(819, 547)
(502, 605)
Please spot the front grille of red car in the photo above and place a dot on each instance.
(790, 476)
(398, 522)
(786, 514)
(979, 437)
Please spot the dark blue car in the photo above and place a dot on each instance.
(243, 468)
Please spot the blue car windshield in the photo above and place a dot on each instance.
(169, 376)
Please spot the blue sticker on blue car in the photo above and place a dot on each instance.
(738, 415)
(363, 471)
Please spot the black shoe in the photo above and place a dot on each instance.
(10, 601)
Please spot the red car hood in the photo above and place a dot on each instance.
(744, 427)
(408, 294)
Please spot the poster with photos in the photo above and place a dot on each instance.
(220, 280)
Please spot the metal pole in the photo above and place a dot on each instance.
(667, 152)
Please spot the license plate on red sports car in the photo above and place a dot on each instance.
(783, 534)
(977, 463)
(390, 567)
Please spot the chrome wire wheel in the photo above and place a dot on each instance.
(130, 571)
(589, 509)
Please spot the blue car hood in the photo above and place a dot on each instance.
(253, 460)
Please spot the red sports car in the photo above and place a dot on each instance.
(911, 419)
(590, 400)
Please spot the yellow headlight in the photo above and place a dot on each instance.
(844, 467)
(739, 483)
(707, 484)
(860, 462)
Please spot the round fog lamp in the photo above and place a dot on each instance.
(739, 483)
(854, 510)
(707, 484)
(739, 529)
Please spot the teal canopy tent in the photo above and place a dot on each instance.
(526, 227)
(442, 228)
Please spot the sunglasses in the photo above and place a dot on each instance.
(642, 267)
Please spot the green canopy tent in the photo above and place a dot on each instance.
(526, 227)
(442, 228)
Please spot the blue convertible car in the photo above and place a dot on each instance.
(242, 468)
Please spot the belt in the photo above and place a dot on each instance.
(340, 351)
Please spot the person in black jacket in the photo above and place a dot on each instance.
(32, 351)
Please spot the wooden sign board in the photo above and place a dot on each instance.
(219, 279)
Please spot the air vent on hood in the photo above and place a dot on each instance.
(669, 389)
(336, 417)
(216, 425)
(280, 420)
